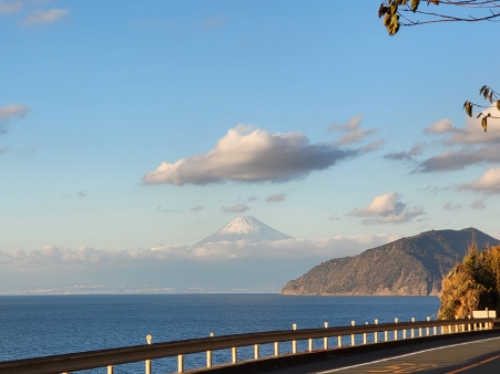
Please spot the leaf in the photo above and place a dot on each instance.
(486, 93)
(435, 2)
(386, 20)
(484, 123)
(414, 5)
(498, 104)
(490, 97)
(393, 25)
(482, 89)
(382, 10)
(468, 108)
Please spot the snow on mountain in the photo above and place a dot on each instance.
(244, 228)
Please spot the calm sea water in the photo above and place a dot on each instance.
(32, 326)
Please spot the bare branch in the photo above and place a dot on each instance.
(452, 11)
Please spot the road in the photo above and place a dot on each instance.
(463, 355)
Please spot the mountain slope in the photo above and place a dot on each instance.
(408, 266)
(244, 228)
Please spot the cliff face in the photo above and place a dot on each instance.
(408, 266)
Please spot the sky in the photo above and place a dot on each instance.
(130, 131)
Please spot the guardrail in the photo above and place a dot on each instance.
(109, 358)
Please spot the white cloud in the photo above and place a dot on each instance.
(472, 133)
(488, 184)
(353, 131)
(276, 197)
(11, 111)
(239, 208)
(478, 204)
(246, 154)
(52, 256)
(477, 146)
(440, 127)
(293, 248)
(41, 16)
(11, 6)
(387, 208)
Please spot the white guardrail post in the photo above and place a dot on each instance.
(294, 342)
(209, 355)
(149, 339)
(375, 334)
(353, 337)
(325, 339)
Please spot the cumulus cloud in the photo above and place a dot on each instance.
(414, 151)
(41, 16)
(9, 112)
(472, 133)
(53, 256)
(197, 208)
(488, 184)
(276, 197)
(441, 127)
(387, 208)
(450, 206)
(239, 208)
(478, 204)
(476, 146)
(81, 194)
(246, 154)
(353, 131)
(11, 6)
(293, 248)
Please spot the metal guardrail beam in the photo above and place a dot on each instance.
(117, 356)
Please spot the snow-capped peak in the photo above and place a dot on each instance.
(242, 225)
(244, 228)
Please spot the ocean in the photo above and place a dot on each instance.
(33, 326)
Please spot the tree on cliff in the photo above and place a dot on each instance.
(397, 13)
(473, 284)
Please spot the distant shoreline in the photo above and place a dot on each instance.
(193, 293)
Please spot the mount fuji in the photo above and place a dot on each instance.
(244, 228)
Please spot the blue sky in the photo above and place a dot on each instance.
(311, 103)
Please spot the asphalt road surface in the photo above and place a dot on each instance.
(477, 355)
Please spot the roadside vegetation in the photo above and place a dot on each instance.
(473, 284)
